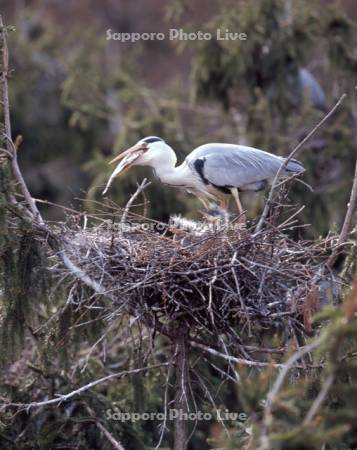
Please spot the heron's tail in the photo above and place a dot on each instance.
(294, 166)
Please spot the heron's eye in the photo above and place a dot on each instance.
(152, 139)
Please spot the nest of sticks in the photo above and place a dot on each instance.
(217, 279)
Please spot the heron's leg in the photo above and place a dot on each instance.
(235, 194)
(204, 202)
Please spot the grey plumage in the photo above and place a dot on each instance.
(209, 172)
(309, 88)
(229, 165)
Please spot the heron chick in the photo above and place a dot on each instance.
(211, 171)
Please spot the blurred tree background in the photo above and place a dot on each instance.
(78, 99)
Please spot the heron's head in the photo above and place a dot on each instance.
(150, 151)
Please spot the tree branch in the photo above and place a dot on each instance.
(287, 366)
(181, 399)
(320, 398)
(243, 361)
(288, 159)
(10, 146)
(116, 444)
(346, 227)
(64, 397)
(144, 184)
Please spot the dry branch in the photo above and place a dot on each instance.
(282, 375)
(143, 185)
(10, 146)
(320, 398)
(346, 228)
(182, 387)
(289, 158)
(115, 443)
(241, 361)
(64, 397)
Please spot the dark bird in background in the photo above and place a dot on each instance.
(309, 89)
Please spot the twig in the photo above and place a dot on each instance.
(4, 75)
(10, 146)
(80, 274)
(64, 397)
(271, 397)
(246, 362)
(116, 444)
(144, 184)
(163, 425)
(6, 152)
(351, 207)
(210, 397)
(288, 159)
(286, 367)
(320, 398)
(181, 401)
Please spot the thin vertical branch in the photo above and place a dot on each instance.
(273, 393)
(288, 159)
(346, 227)
(143, 185)
(4, 75)
(10, 146)
(181, 400)
(320, 398)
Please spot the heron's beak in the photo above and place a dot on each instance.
(128, 158)
(137, 148)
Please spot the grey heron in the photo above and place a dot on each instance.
(211, 171)
(308, 87)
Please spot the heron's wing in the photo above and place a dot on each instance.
(233, 165)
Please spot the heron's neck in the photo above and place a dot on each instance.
(167, 173)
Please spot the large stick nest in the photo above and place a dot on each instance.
(214, 279)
